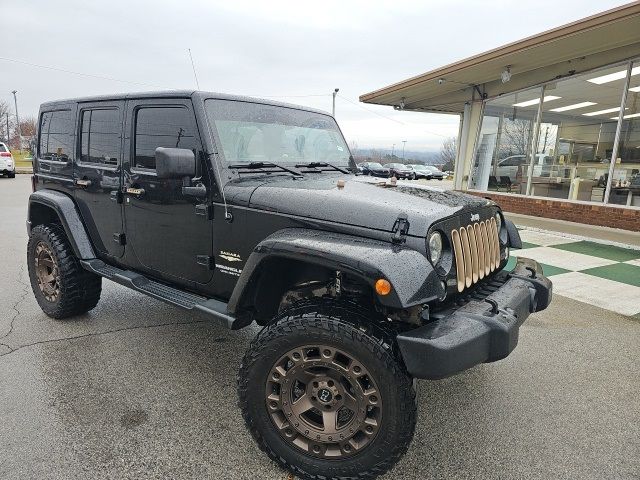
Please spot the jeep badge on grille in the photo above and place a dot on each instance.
(475, 217)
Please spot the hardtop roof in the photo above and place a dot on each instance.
(202, 95)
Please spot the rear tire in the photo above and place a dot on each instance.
(11, 175)
(343, 368)
(61, 286)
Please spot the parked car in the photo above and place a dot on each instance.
(374, 169)
(249, 211)
(7, 164)
(399, 170)
(426, 171)
(515, 165)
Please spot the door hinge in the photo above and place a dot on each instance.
(116, 196)
(206, 261)
(120, 238)
(400, 229)
(204, 210)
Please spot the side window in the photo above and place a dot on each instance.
(161, 127)
(43, 130)
(56, 135)
(100, 136)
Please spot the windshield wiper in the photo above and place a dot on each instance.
(321, 164)
(258, 165)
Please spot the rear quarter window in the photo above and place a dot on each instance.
(56, 135)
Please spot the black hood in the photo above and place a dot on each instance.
(362, 201)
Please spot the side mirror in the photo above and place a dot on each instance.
(175, 163)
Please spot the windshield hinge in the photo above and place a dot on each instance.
(206, 261)
(400, 229)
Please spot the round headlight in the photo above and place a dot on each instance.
(435, 247)
(498, 222)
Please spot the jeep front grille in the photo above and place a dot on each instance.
(477, 251)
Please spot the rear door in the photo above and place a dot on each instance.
(98, 174)
(167, 233)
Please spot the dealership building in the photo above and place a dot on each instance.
(549, 125)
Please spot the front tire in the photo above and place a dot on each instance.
(324, 393)
(61, 286)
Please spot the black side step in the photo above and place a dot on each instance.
(180, 298)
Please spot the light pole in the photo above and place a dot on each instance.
(333, 110)
(404, 142)
(15, 100)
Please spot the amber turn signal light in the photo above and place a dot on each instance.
(383, 287)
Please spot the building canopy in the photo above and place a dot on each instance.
(578, 47)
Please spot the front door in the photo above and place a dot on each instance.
(167, 233)
(98, 174)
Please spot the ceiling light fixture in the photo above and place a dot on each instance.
(536, 101)
(574, 106)
(613, 76)
(602, 112)
(631, 115)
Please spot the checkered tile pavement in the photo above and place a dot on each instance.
(602, 275)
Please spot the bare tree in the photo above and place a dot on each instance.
(28, 127)
(4, 110)
(515, 137)
(448, 153)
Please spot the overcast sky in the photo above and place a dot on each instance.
(294, 51)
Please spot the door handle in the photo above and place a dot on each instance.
(83, 183)
(136, 192)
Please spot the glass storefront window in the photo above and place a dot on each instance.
(576, 137)
(625, 184)
(568, 154)
(504, 142)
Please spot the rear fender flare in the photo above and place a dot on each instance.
(65, 209)
(412, 277)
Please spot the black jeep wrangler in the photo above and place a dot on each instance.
(252, 211)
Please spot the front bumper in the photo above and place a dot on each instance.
(482, 330)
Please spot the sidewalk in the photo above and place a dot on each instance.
(600, 274)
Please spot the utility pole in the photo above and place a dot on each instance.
(393, 147)
(333, 110)
(404, 142)
(15, 99)
(7, 128)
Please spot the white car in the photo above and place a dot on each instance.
(7, 164)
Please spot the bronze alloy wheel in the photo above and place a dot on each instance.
(323, 401)
(47, 273)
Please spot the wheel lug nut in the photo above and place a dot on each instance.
(369, 429)
(373, 399)
(357, 369)
(296, 356)
(273, 404)
(276, 375)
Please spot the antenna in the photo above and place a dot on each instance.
(194, 69)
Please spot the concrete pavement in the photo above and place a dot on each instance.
(139, 389)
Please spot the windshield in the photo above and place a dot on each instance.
(419, 167)
(374, 165)
(253, 132)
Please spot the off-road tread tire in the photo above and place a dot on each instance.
(343, 320)
(79, 289)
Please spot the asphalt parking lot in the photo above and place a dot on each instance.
(139, 389)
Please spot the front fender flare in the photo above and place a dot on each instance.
(413, 278)
(66, 210)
